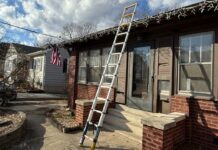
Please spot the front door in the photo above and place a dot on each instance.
(140, 81)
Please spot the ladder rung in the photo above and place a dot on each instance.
(116, 53)
(105, 86)
(108, 75)
(121, 43)
(98, 111)
(91, 139)
(124, 33)
(128, 15)
(113, 64)
(125, 24)
(135, 4)
(101, 98)
(91, 123)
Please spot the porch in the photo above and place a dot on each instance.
(151, 130)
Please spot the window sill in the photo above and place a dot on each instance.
(88, 83)
(81, 82)
(197, 96)
(93, 83)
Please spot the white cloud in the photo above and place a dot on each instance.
(169, 4)
(54, 14)
(7, 11)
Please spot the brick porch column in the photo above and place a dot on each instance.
(82, 111)
(163, 132)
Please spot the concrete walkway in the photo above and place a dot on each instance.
(40, 96)
(41, 135)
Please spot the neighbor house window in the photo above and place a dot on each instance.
(65, 64)
(82, 66)
(37, 64)
(94, 64)
(195, 63)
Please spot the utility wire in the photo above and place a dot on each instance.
(29, 30)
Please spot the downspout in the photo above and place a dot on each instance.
(44, 69)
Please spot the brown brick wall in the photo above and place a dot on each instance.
(82, 113)
(85, 91)
(202, 120)
(71, 86)
(156, 139)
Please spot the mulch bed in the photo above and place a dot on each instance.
(9, 120)
(62, 119)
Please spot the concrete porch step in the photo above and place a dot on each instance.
(128, 116)
(136, 112)
(128, 135)
(124, 125)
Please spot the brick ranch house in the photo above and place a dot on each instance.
(167, 86)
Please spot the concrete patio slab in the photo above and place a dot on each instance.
(41, 135)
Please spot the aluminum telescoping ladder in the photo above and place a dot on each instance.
(122, 33)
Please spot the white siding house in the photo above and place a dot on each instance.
(46, 76)
(16, 52)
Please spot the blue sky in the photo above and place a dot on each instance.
(49, 16)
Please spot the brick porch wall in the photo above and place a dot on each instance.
(85, 91)
(157, 139)
(82, 113)
(202, 120)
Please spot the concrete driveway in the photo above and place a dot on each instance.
(40, 96)
(41, 135)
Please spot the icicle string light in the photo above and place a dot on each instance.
(183, 12)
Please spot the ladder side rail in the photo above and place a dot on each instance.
(117, 67)
(115, 73)
(114, 76)
(99, 86)
(109, 91)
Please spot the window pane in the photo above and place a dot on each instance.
(94, 58)
(140, 72)
(82, 74)
(195, 78)
(184, 50)
(82, 58)
(195, 48)
(207, 41)
(105, 54)
(82, 66)
(94, 74)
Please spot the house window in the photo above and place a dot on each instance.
(37, 64)
(94, 70)
(92, 64)
(195, 63)
(110, 68)
(65, 63)
(82, 67)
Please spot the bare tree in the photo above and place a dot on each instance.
(73, 30)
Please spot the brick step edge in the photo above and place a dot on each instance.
(59, 126)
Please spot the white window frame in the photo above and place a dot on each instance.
(83, 66)
(185, 92)
(37, 64)
(94, 66)
(106, 58)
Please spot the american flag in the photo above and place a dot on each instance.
(56, 57)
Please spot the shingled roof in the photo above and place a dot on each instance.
(178, 14)
(25, 49)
